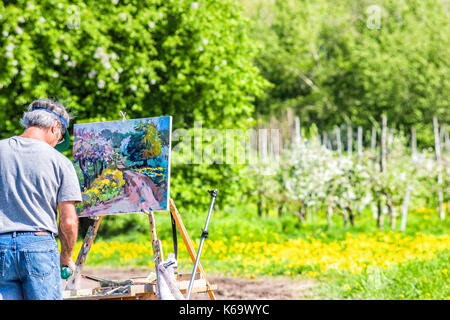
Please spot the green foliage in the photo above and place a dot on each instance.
(191, 60)
(135, 226)
(145, 57)
(338, 61)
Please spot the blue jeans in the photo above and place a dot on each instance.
(29, 267)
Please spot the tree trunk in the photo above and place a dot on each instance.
(260, 209)
(344, 213)
(95, 168)
(303, 213)
(345, 216)
(300, 215)
(329, 215)
(391, 211)
(101, 166)
(380, 216)
(280, 209)
(84, 170)
(351, 215)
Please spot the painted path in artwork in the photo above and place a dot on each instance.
(140, 195)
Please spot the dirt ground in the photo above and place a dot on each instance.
(274, 288)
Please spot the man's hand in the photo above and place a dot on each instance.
(70, 264)
(68, 232)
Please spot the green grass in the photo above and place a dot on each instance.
(413, 280)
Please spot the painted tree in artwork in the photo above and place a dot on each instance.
(151, 142)
(144, 144)
(93, 149)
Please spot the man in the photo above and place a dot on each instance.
(35, 180)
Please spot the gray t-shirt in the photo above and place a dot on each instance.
(34, 177)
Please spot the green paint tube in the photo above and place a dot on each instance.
(66, 272)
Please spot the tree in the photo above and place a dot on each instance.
(191, 60)
(338, 61)
(145, 143)
(92, 148)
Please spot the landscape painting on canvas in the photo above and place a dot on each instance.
(123, 166)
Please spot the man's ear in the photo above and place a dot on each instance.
(54, 128)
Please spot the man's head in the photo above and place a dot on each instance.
(52, 119)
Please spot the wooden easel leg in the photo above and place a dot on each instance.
(189, 245)
(157, 248)
(72, 284)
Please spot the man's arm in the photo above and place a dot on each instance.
(68, 232)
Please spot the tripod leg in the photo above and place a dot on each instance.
(174, 236)
(189, 245)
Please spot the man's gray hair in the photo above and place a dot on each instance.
(43, 119)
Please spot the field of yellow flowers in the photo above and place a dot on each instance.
(311, 256)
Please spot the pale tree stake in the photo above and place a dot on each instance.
(413, 144)
(383, 165)
(437, 148)
(405, 208)
(383, 142)
(373, 140)
(338, 140)
(360, 143)
(349, 140)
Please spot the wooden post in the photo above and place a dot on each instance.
(157, 248)
(297, 134)
(405, 209)
(437, 148)
(383, 142)
(382, 166)
(73, 282)
(413, 144)
(189, 245)
(329, 145)
(389, 143)
(325, 140)
(373, 141)
(447, 141)
(338, 140)
(360, 142)
(349, 140)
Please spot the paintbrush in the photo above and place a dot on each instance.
(108, 283)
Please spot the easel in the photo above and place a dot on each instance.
(146, 290)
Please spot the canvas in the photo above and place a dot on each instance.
(123, 166)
